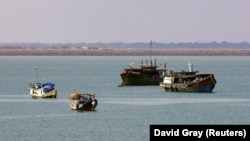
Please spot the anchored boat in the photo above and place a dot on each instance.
(188, 81)
(147, 74)
(144, 75)
(42, 90)
(84, 101)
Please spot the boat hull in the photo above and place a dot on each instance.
(205, 85)
(51, 94)
(132, 80)
(83, 106)
(145, 75)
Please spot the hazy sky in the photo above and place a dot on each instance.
(63, 21)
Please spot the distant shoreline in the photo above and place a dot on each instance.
(121, 52)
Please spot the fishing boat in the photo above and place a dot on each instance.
(82, 101)
(147, 74)
(42, 89)
(188, 81)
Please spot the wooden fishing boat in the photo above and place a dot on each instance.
(146, 74)
(83, 101)
(188, 81)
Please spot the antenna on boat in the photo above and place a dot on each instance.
(37, 70)
(165, 67)
(190, 67)
(151, 52)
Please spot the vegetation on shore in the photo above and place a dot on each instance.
(125, 49)
(123, 52)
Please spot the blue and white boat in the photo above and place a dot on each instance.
(43, 90)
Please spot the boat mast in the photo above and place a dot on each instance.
(190, 67)
(150, 49)
(150, 52)
(37, 70)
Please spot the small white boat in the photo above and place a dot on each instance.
(43, 90)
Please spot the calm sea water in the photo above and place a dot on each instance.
(123, 113)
